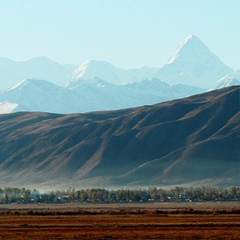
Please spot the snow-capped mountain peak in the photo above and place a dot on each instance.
(79, 72)
(190, 45)
(190, 49)
(93, 68)
(31, 82)
(193, 64)
(99, 85)
(229, 80)
(111, 74)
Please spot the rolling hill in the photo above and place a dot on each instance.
(185, 141)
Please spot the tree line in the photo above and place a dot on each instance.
(99, 195)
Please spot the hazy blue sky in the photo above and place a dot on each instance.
(127, 33)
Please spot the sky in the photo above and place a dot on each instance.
(126, 33)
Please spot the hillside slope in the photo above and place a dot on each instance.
(194, 139)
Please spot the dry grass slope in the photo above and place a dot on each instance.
(182, 141)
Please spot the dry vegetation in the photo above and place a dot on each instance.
(121, 221)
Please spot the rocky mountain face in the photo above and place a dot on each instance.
(193, 140)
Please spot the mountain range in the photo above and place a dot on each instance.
(13, 72)
(192, 140)
(95, 95)
(111, 74)
(47, 86)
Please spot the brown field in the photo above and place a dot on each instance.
(121, 221)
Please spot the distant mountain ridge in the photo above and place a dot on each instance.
(98, 85)
(85, 95)
(192, 64)
(112, 74)
(193, 140)
(13, 72)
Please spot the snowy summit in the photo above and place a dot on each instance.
(193, 64)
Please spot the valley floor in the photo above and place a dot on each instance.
(121, 221)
